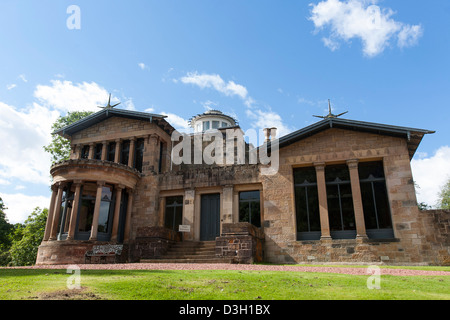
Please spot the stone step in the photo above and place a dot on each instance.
(190, 252)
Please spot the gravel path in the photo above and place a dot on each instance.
(243, 267)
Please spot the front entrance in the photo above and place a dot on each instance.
(210, 217)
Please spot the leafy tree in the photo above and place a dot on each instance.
(444, 196)
(5, 235)
(59, 147)
(5, 226)
(27, 238)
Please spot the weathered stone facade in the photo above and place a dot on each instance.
(120, 187)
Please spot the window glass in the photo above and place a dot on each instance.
(205, 125)
(224, 124)
(139, 154)
(111, 151)
(340, 202)
(85, 152)
(377, 215)
(87, 205)
(124, 154)
(98, 151)
(105, 213)
(173, 212)
(306, 204)
(249, 207)
(215, 124)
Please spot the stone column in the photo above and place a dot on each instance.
(117, 153)
(357, 200)
(153, 151)
(98, 200)
(48, 224)
(104, 149)
(188, 212)
(57, 212)
(74, 215)
(227, 214)
(235, 218)
(323, 202)
(79, 149)
(126, 237)
(91, 150)
(115, 227)
(131, 152)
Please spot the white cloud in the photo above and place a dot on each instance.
(216, 82)
(179, 123)
(431, 173)
(142, 66)
(268, 119)
(23, 133)
(20, 206)
(66, 96)
(365, 20)
(11, 86)
(23, 78)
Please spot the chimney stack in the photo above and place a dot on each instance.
(269, 134)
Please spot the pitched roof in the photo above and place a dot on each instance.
(106, 113)
(413, 135)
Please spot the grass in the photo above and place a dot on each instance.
(31, 284)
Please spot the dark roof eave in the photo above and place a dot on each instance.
(413, 135)
(104, 114)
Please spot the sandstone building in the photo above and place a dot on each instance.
(342, 192)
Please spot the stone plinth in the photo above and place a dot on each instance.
(241, 241)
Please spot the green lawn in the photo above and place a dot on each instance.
(33, 284)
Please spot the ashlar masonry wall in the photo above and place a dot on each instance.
(413, 230)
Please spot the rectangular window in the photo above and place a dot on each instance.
(205, 125)
(377, 215)
(224, 124)
(215, 124)
(340, 202)
(98, 151)
(249, 208)
(125, 152)
(106, 209)
(111, 151)
(85, 152)
(173, 212)
(139, 154)
(86, 211)
(307, 204)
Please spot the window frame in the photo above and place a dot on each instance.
(249, 202)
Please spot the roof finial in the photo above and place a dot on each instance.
(109, 106)
(330, 115)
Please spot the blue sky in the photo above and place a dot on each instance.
(268, 63)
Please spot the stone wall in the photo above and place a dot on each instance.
(412, 229)
(241, 241)
(152, 242)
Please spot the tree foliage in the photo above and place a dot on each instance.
(59, 147)
(444, 196)
(27, 238)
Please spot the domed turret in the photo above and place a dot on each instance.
(211, 119)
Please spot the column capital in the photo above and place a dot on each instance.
(120, 186)
(77, 182)
(101, 183)
(319, 165)
(352, 163)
